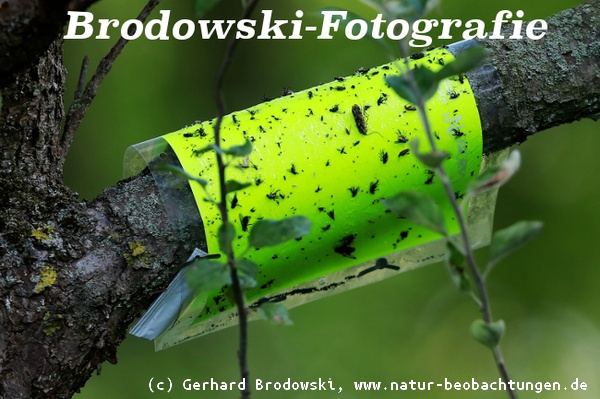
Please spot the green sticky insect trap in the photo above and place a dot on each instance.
(329, 153)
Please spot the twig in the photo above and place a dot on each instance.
(483, 298)
(237, 288)
(82, 74)
(82, 101)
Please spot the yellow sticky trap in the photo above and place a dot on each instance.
(328, 153)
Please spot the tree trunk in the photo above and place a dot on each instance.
(74, 274)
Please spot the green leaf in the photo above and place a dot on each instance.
(247, 271)
(204, 6)
(496, 177)
(234, 185)
(179, 172)
(463, 62)
(488, 334)
(276, 313)
(419, 208)
(240, 150)
(205, 149)
(400, 85)
(268, 232)
(226, 235)
(431, 159)
(207, 275)
(426, 82)
(456, 265)
(512, 238)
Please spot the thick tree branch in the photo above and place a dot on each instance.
(74, 274)
(529, 86)
(27, 27)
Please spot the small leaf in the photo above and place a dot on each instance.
(496, 177)
(418, 208)
(240, 150)
(234, 185)
(247, 272)
(431, 159)
(276, 313)
(426, 82)
(455, 263)
(463, 62)
(400, 85)
(206, 275)
(226, 235)
(512, 238)
(268, 232)
(488, 334)
(204, 6)
(205, 149)
(179, 172)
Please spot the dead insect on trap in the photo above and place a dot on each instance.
(329, 153)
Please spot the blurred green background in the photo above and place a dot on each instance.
(414, 326)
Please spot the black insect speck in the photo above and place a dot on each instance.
(272, 195)
(262, 129)
(344, 247)
(382, 99)
(342, 150)
(430, 179)
(417, 56)
(325, 228)
(258, 181)
(383, 157)
(403, 152)
(404, 234)
(286, 92)
(245, 221)
(452, 94)
(234, 118)
(359, 119)
(318, 189)
(327, 163)
(340, 88)
(331, 214)
(441, 61)
(401, 139)
(335, 108)
(310, 95)
(339, 78)
(293, 170)
(201, 132)
(234, 201)
(457, 133)
(373, 186)
(353, 191)
(410, 107)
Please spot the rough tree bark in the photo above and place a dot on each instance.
(74, 274)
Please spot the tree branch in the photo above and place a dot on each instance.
(81, 104)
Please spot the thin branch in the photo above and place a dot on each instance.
(80, 106)
(82, 74)
(483, 298)
(237, 288)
